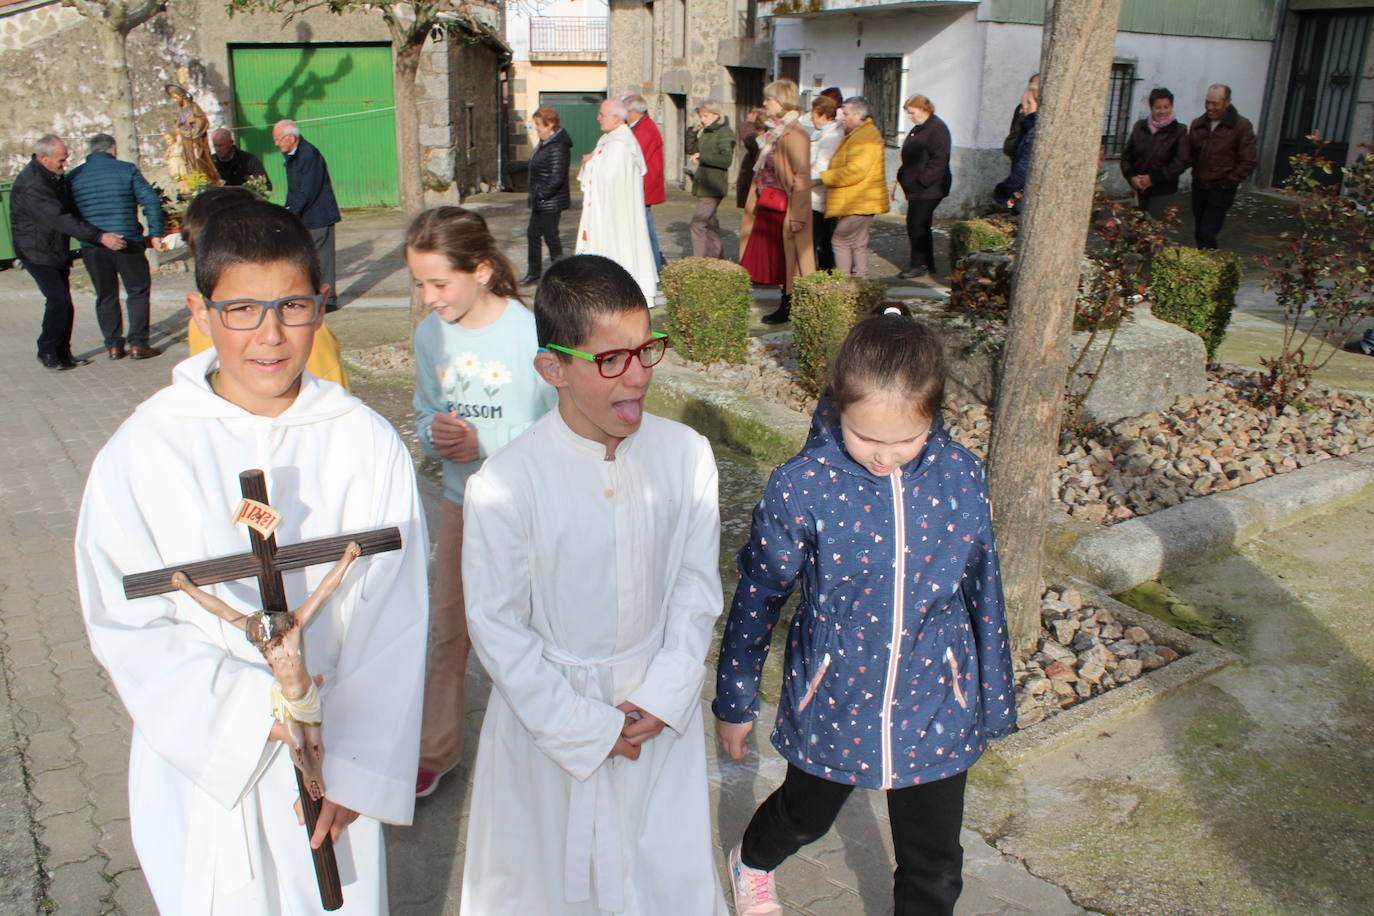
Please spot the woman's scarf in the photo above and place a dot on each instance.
(774, 132)
(1157, 126)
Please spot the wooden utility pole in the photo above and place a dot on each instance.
(1074, 76)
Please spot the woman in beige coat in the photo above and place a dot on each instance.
(789, 155)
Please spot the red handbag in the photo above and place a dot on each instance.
(771, 198)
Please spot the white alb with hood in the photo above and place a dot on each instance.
(210, 797)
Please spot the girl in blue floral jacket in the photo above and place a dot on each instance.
(897, 670)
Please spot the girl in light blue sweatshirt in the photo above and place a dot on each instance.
(475, 390)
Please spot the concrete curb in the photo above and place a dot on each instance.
(756, 428)
(1147, 548)
(1200, 658)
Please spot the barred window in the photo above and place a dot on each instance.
(1117, 125)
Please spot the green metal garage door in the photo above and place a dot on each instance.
(576, 115)
(340, 94)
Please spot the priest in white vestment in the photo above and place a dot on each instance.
(613, 215)
(592, 582)
(210, 796)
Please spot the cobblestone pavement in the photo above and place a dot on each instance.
(64, 828)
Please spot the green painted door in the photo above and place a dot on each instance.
(576, 115)
(340, 95)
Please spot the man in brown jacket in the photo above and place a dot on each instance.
(1224, 155)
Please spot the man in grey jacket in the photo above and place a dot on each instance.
(108, 193)
(43, 220)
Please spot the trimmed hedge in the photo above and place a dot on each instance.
(971, 235)
(708, 304)
(1196, 290)
(825, 305)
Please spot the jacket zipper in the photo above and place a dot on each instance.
(815, 684)
(898, 607)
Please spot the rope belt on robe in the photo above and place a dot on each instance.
(593, 840)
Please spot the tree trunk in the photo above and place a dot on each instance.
(1025, 434)
(114, 50)
(408, 162)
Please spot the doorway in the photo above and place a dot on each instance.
(1328, 59)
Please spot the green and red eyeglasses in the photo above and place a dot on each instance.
(613, 363)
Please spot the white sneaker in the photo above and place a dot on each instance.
(755, 892)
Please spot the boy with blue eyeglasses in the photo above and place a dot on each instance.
(211, 793)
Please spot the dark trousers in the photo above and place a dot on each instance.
(107, 269)
(543, 226)
(55, 338)
(1209, 212)
(324, 245)
(926, 820)
(659, 261)
(822, 229)
(920, 216)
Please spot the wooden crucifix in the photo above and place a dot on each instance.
(266, 563)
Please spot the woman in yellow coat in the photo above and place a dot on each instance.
(790, 155)
(857, 185)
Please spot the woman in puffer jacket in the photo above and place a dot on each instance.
(1156, 154)
(898, 670)
(548, 189)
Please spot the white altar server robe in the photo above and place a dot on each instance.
(569, 560)
(210, 797)
(614, 223)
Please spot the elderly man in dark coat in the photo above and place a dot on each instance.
(1224, 155)
(108, 194)
(310, 195)
(42, 220)
(236, 165)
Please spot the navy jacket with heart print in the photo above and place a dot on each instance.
(898, 669)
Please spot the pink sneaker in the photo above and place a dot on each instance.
(427, 781)
(755, 892)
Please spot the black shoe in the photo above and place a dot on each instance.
(73, 362)
(783, 312)
(52, 362)
(531, 278)
(912, 273)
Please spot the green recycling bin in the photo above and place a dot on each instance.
(6, 240)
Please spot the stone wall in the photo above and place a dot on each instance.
(676, 53)
(51, 55)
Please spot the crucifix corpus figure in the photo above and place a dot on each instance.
(279, 634)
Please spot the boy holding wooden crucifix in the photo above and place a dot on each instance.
(211, 787)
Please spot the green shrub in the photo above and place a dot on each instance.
(1196, 290)
(825, 305)
(972, 235)
(708, 304)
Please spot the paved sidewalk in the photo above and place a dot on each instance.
(64, 735)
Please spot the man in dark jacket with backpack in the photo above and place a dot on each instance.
(43, 219)
(1224, 155)
(108, 193)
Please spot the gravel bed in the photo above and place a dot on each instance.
(1083, 653)
(1142, 464)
